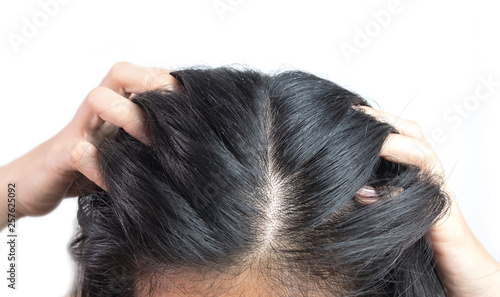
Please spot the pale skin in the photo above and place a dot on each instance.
(53, 170)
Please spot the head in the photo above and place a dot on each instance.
(250, 187)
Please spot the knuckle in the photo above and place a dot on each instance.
(416, 127)
(425, 148)
(124, 110)
(158, 77)
(95, 94)
(75, 155)
(81, 151)
(115, 73)
(414, 124)
(118, 68)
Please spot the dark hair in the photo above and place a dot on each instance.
(248, 171)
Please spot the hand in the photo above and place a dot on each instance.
(56, 168)
(465, 266)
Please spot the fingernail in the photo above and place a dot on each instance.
(367, 192)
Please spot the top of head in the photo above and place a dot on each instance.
(249, 187)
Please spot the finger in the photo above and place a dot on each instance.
(84, 158)
(126, 78)
(119, 111)
(367, 195)
(405, 149)
(404, 126)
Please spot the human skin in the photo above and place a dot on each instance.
(465, 266)
(53, 170)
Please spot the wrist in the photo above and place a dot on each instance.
(466, 267)
(9, 192)
(477, 274)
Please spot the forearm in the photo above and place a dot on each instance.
(39, 180)
(8, 194)
(484, 279)
(466, 267)
(17, 179)
(3, 201)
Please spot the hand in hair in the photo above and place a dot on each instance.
(57, 168)
(465, 266)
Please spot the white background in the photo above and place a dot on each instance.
(424, 60)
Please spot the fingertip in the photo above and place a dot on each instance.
(367, 195)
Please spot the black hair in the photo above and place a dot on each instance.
(250, 171)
